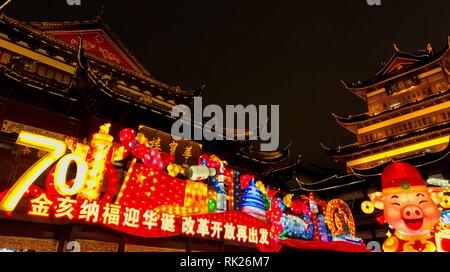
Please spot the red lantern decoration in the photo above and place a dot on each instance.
(127, 135)
(140, 151)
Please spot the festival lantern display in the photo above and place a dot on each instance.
(253, 202)
(159, 198)
(414, 211)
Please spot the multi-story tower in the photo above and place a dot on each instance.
(408, 114)
(407, 119)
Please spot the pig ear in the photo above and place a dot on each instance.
(377, 200)
(436, 194)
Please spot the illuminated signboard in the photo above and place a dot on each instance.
(143, 206)
(158, 197)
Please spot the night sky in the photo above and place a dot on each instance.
(291, 53)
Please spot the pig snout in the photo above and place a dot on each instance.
(412, 212)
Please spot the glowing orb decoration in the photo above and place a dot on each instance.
(339, 218)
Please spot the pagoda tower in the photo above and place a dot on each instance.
(408, 112)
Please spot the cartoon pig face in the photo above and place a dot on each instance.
(410, 213)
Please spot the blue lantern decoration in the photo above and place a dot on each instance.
(252, 201)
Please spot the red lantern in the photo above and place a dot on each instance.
(140, 151)
(127, 135)
(153, 159)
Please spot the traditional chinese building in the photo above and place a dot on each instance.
(408, 111)
(407, 119)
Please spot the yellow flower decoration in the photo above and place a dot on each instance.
(141, 138)
(261, 187)
(288, 200)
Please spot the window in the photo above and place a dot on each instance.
(67, 79)
(5, 58)
(30, 67)
(42, 70)
(433, 119)
(59, 76)
(50, 73)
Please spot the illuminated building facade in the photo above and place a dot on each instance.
(408, 111)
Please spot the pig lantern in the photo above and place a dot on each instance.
(410, 207)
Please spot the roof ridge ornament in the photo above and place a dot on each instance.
(395, 47)
(3, 6)
(430, 49)
(81, 53)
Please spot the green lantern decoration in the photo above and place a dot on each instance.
(266, 202)
(212, 205)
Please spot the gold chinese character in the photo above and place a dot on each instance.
(241, 233)
(253, 236)
(132, 217)
(40, 206)
(89, 211)
(150, 219)
(173, 147)
(187, 226)
(264, 235)
(157, 144)
(216, 229)
(168, 222)
(229, 231)
(111, 214)
(187, 154)
(203, 227)
(65, 207)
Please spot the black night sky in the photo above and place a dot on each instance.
(291, 52)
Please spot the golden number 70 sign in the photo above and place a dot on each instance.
(150, 203)
(89, 176)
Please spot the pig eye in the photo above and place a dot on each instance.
(420, 194)
(423, 201)
(395, 204)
